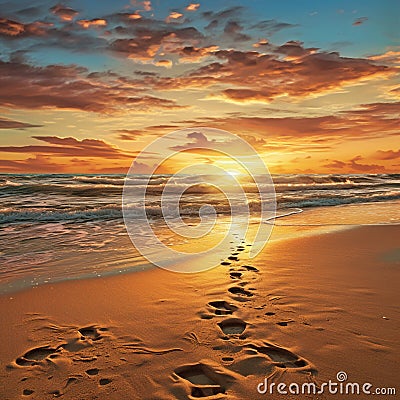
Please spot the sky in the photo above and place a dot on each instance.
(313, 86)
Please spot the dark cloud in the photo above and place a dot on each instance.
(135, 134)
(354, 165)
(223, 14)
(6, 123)
(360, 21)
(271, 26)
(148, 43)
(235, 31)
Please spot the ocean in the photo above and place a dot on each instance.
(66, 226)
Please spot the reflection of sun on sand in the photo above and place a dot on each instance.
(304, 305)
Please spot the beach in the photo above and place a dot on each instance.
(304, 309)
(199, 200)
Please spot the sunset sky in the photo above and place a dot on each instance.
(313, 86)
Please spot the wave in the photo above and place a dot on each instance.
(74, 197)
(187, 209)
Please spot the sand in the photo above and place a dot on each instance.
(303, 310)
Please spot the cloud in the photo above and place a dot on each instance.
(174, 16)
(355, 166)
(142, 5)
(291, 70)
(96, 22)
(6, 123)
(163, 63)
(71, 87)
(148, 43)
(14, 29)
(36, 164)
(223, 14)
(198, 139)
(47, 34)
(69, 147)
(360, 21)
(387, 154)
(192, 7)
(135, 134)
(271, 26)
(235, 32)
(367, 121)
(195, 54)
(391, 57)
(63, 12)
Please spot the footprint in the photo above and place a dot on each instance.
(204, 383)
(92, 371)
(90, 332)
(284, 323)
(240, 291)
(281, 357)
(70, 381)
(250, 268)
(34, 356)
(232, 326)
(235, 275)
(222, 307)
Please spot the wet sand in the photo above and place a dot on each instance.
(303, 310)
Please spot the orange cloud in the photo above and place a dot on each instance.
(173, 16)
(305, 73)
(10, 28)
(163, 63)
(84, 23)
(63, 12)
(387, 154)
(195, 54)
(70, 87)
(69, 147)
(391, 57)
(144, 5)
(193, 7)
(376, 120)
(14, 29)
(148, 43)
(134, 16)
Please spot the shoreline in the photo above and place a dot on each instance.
(147, 333)
(310, 222)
